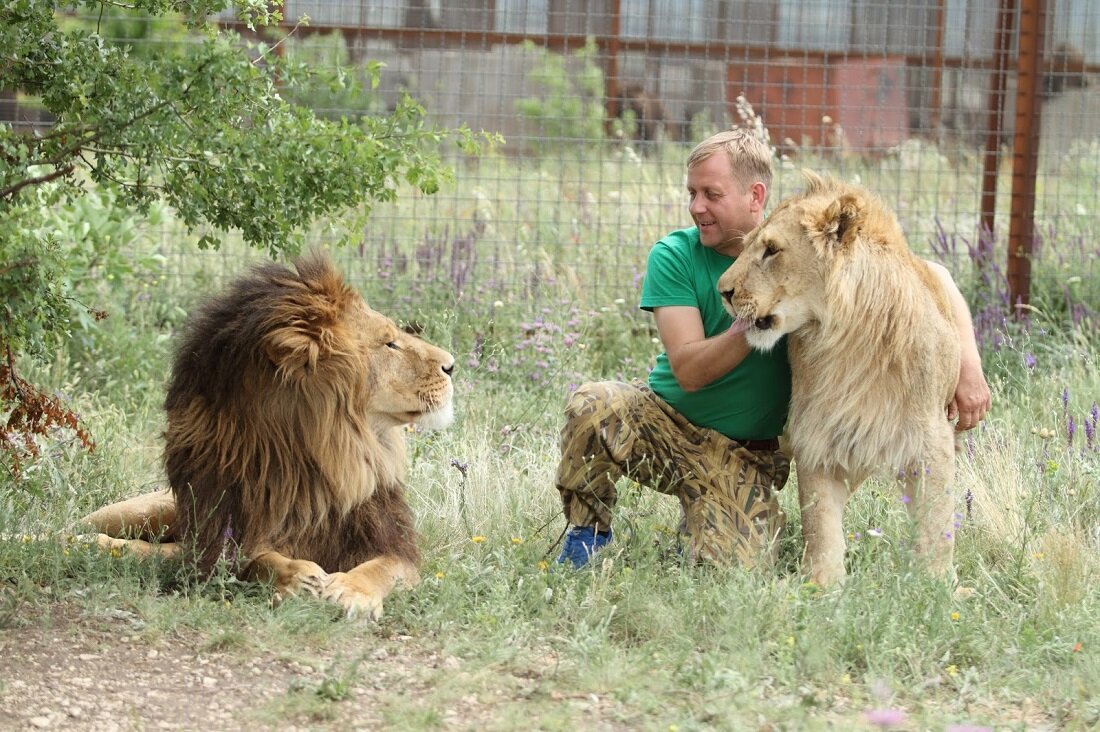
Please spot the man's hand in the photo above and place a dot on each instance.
(972, 397)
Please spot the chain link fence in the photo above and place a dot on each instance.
(977, 120)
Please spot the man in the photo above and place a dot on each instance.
(705, 428)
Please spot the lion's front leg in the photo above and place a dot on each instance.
(290, 576)
(360, 591)
(822, 498)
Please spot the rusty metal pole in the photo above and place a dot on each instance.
(937, 69)
(991, 161)
(613, 48)
(1025, 149)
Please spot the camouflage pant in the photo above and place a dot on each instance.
(727, 492)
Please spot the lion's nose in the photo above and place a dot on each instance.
(449, 369)
(727, 295)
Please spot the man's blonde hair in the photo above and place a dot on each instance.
(750, 159)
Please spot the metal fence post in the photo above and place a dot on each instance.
(1025, 149)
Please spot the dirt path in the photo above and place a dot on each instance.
(72, 672)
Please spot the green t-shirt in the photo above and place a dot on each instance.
(751, 401)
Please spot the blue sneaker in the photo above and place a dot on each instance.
(581, 542)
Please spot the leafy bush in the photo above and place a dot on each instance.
(570, 109)
(146, 130)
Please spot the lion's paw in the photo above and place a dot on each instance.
(107, 543)
(301, 576)
(356, 597)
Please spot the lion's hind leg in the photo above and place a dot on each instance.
(361, 590)
(931, 506)
(141, 525)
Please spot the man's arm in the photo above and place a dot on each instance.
(697, 361)
(972, 396)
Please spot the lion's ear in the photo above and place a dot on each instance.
(840, 221)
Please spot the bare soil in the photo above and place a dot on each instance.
(69, 671)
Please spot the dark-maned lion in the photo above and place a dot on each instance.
(284, 447)
(874, 360)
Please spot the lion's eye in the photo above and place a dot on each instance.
(393, 345)
(769, 250)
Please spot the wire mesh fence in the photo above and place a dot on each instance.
(977, 120)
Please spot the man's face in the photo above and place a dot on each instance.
(723, 211)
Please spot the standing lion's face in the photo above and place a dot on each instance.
(776, 281)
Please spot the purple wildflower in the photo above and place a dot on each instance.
(1071, 430)
(885, 718)
(1029, 360)
(1090, 425)
(1065, 398)
(460, 466)
(906, 499)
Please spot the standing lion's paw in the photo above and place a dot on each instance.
(356, 597)
(301, 576)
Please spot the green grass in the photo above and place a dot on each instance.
(639, 641)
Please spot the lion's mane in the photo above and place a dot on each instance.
(885, 340)
(268, 442)
(874, 354)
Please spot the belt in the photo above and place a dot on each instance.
(760, 445)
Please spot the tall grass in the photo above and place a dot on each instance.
(639, 641)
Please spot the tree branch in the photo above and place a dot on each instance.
(36, 180)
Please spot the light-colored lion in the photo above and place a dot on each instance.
(874, 359)
(284, 447)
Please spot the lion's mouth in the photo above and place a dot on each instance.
(436, 416)
(747, 314)
(764, 323)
